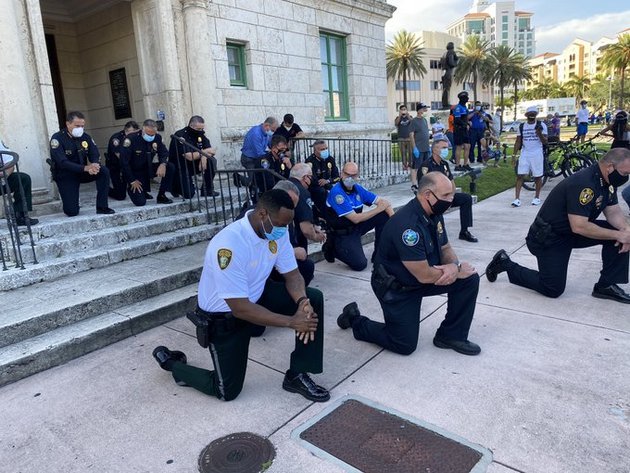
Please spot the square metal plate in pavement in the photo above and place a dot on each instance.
(369, 438)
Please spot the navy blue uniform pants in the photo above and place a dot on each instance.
(476, 134)
(183, 181)
(68, 185)
(464, 202)
(139, 199)
(229, 349)
(348, 248)
(401, 311)
(553, 260)
(118, 190)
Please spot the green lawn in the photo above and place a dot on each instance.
(492, 180)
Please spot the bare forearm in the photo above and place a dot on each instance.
(294, 282)
(258, 315)
(448, 255)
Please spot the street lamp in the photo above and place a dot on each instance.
(610, 79)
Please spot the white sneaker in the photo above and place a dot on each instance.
(516, 203)
(536, 201)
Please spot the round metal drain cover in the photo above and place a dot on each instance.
(242, 452)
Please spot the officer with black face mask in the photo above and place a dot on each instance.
(414, 260)
(567, 220)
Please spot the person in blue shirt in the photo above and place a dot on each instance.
(461, 132)
(256, 146)
(478, 124)
(347, 222)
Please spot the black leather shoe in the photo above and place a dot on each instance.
(148, 196)
(466, 235)
(304, 385)
(22, 221)
(349, 313)
(162, 199)
(105, 210)
(464, 347)
(329, 251)
(614, 293)
(202, 193)
(498, 264)
(163, 355)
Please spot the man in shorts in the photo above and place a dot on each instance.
(529, 141)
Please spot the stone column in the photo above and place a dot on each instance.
(202, 79)
(27, 112)
(160, 78)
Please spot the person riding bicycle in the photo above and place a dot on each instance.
(531, 138)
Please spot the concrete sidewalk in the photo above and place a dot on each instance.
(549, 393)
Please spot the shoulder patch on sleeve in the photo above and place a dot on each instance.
(115, 142)
(127, 143)
(586, 195)
(410, 237)
(425, 169)
(54, 144)
(224, 257)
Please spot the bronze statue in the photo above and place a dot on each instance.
(448, 62)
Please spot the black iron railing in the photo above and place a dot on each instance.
(374, 157)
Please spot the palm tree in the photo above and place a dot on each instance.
(616, 57)
(578, 86)
(520, 73)
(404, 54)
(473, 55)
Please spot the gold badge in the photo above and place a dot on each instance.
(440, 228)
(329, 165)
(273, 247)
(154, 146)
(115, 142)
(84, 144)
(224, 256)
(54, 144)
(586, 195)
(282, 167)
(199, 139)
(127, 143)
(611, 189)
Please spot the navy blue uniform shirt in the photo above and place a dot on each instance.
(72, 154)
(136, 154)
(411, 235)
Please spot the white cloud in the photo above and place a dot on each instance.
(429, 15)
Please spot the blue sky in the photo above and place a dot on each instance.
(557, 23)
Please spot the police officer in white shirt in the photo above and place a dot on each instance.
(235, 296)
(529, 141)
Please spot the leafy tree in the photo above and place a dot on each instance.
(616, 58)
(473, 56)
(402, 55)
(578, 86)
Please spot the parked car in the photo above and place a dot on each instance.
(511, 126)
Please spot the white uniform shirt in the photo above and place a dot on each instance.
(6, 158)
(532, 146)
(582, 115)
(238, 263)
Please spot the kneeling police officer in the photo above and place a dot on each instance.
(415, 260)
(235, 300)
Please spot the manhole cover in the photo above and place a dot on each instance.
(242, 452)
(374, 441)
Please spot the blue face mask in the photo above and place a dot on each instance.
(269, 132)
(148, 138)
(444, 153)
(276, 232)
(324, 154)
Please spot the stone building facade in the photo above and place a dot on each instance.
(232, 61)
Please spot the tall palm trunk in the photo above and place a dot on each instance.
(404, 72)
(621, 92)
(475, 84)
(515, 102)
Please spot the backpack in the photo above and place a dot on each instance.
(537, 127)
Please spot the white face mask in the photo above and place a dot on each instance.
(77, 132)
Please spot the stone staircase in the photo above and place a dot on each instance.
(99, 279)
(102, 278)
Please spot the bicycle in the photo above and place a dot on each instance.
(569, 163)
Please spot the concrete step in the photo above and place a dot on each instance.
(55, 347)
(46, 306)
(50, 270)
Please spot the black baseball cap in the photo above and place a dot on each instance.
(420, 106)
